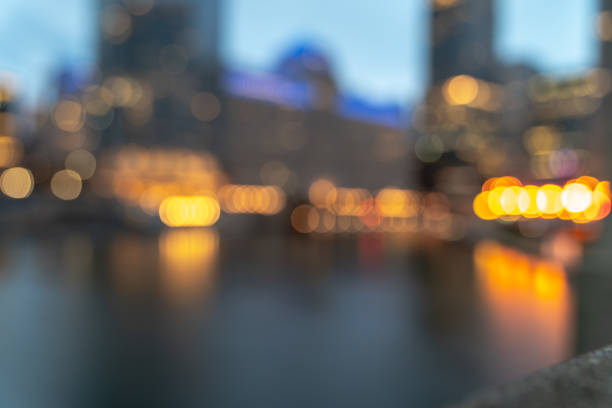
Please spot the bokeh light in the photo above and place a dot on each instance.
(548, 199)
(82, 162)
(581, 200)
(576, 197)
(69, 116)
(66, 184)
(205, 106)
(319, 190)
(11, 151)
(461, 90)
(189, 211)
(304, 218)
(251, 199)
(17, 182)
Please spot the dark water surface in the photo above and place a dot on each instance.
(179, 318)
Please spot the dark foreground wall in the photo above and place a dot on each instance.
(582, 382)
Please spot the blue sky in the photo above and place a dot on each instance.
(555, 35)
(35, 38)
(378, 48)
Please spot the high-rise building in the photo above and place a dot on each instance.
(160, 61)
(604, 120)
(462, 39)
(461, 118)
(160, 65)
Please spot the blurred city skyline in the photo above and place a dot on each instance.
(239, 203)
(387, 63)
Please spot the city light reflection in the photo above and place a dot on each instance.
(187, 258)
(528, 305)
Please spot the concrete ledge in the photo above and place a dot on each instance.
(584, 381)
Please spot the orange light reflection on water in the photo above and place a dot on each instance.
(187, 258)
(528, 305)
